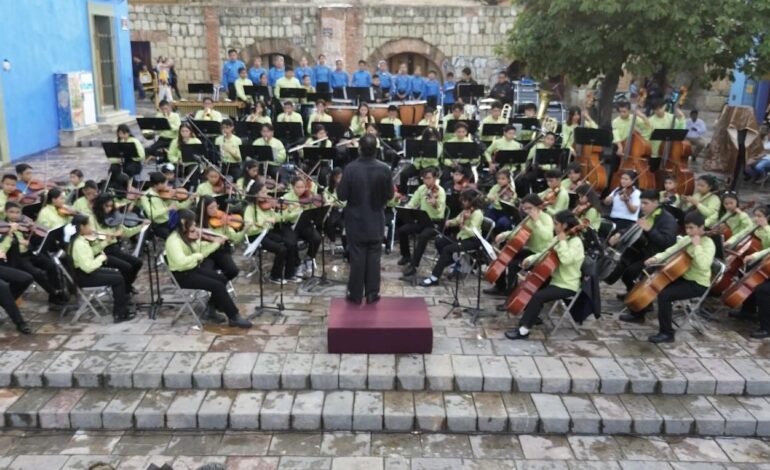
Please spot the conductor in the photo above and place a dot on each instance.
(366, 186)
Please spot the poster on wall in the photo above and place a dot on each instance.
(75, 99)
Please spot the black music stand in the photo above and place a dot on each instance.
(412, 131)
(453, 204)
(493, 130)
(548, 157)
(386, 131)
(473, 125)
(263, 154)
(259, 92)
(208, 127)
(421, 149)
(293, 93)
(666, 136)
(334, 130)
(598, 137)
(153, 124)
(470, 93)
(315, 217)
(323, 87)
(525, 123)
(289, 132)
(462, 150)
(201, 89)
(359, 94)
(517, 158)
(125, 151)
(318, 95)
(312, 155)
(192, 155)
(250, 131)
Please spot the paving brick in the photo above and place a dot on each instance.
(553, 416)
(119, 412)
(760, 410)
(215, 409)
(149, 372)
(295, 374)
(729, 382)
(523, 417)
(640, 377)
(381, 374)
(275, 413)
(208, 371)
(367, 411)
(8, 397)
(757, 380)
(491, 413)
(738, 420)
(87, 413)
(670, 380)
(615, 418)
(151, 412)
(23, 413)
(59, 372)
(708, 421)
(244, 414)
(438, 372)
(267, 371)
(179, 371)
(555, 378)
(353, 371)
(460, 412)
(56, 413)
(644, 416)
(90, 373)
(237, 374)
(338, 411)
(410, 372)
(398, 411)
(183, 410)
(525, 374)
(611, 375)
(582, 374)
(119, 372)
(324, 375)
(30, 372)
(496, 373)
(9, 361)
(306, 410)
(699, 381)
(583, 415)
(676, 419)
(429, 410)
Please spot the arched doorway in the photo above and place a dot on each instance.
(269, 58)
(412, 61)
(415, 52)
(269, 48)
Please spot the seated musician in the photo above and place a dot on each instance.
(240, 92)
(448, 161)
(319, 115)
(334, 223)
(54, 214)
(165, 137)
(9, 191)
(250, 176)
(13, 283)
(431, 198)
(24, 176)
(76, 182)
(461, 180)
(385, 151)
(258, 114)
(208, 113)
(214, 185)
(736, 219)
(379, 93)
(155, 208)
(574, 116)
(430, 118)
(129, 167)
(289, 114)
(503, 190)
(392, 118)
(659, 230)
(541, 225)
(185, 136)
(229, 146)
(260, 215)
(169, 171)
(307, 85)
(467, 220)
(588, 207)
(412, 170)
(528, 180)
(15, 246)
(495, 117)
(761, 293)
(705, 199)
(84, 203)
(693, 283)
(457, 114)
(669, 195)
(574, 175)
(554, 197)
(299, 198)
(221, 259)
(279, 151)
(565, 280)
(185, 253)
(624, 201)
(530, 112)
(90, 265)
(508, 142)
(360, 120)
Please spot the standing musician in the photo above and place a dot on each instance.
(624, 201)
(402, 84)
(554, 197)
(185, 136)
(588, 207)
(659, 230)
(129, 167)
(334, 223)
(319, 115)
(165, 137)
(431, 198)
(574, 116)
(260, 215)
(299, 198)
(240, 92)
(84, 203)
(91, 267)
(669, 195)
(495, 117)
(360, 120)
(322, 73)
(213, 220)
(54, 213)
(761, 294)
(621, 126)
(661, 119)
(208, 113)
(229, 146)
(466, 221)
(565, 280)
(508, 142)
(503, 190)
(502, 91)
(541, 225)
(693, 283)
(186, 252)
(705, 199)
(448, 92)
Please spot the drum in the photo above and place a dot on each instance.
(411, 112)
(342, 114)
(484, 111)
(379, 111)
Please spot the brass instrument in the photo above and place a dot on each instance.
(507, 110)
(547, 123)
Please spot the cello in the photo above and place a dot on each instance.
(646, 291)
(674, 155)
(517, 242)
(736, 295)
(636, 152)
(734, 261)
(589, 156)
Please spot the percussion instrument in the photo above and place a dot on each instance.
(342, 114)
(411, 112)
(378, 111)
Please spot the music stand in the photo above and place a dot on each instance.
(153, 124)
(493, 130)
(516, 158)
(208, 127)
(598, 137)
(412, 131)
(125, 151)
(51, 242)
(473, 125)
(201, 89)
(525, 124)
(334, 130)
(263, 154)
(462, 150)
(418, 149)
(453, 204)
(469, 92)
(386, 131)
(318, 95)
(250, 131)
(489, 253)
(288, 131)
(668, 135)
(408, 215)
(359, 94)
(293, 93)
(323, 87)
(263, 92)
(312, 155)
(547, 157)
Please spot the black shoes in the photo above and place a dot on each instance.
(760, 334)
(372, 298)
(353, 300)
(410, 271)
(239, 322)
(211, 316)
(24, 328)
(494, 290)
(403, 261)
(515, 334)
(621, 297)
(661, 338)
(631, 318)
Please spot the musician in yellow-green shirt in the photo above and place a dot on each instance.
(757, 302)
(495, 117)
(661, 119)
(229, 146)
(621, 126)
(705, 199)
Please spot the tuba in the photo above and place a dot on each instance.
(547, 123)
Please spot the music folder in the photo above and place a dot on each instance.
(411, 131)
(249, 131)
(153, 123)
(288, 131)
(598, 137)
(359, 93)
(312, 155)
(462, 150)
(191, 153)
(293, 93)
(313, 216)
(122, 150)
(258, 90)
(548, 156)
(408, 215)
(204, 88)
(467, 91)
(493, 130)
(386, 131)
(473, 125)
(669, 135)
(511, 157)
(208, 127)
(417, 149)
(525, 123)
(260, 153)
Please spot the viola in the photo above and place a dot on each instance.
(736, 295)
(637, 152)
(35, 185)
(316, 200)
(674, 155)
(28, 225)
(266, 203)
(176, 194)
(550, 198)
(67, 211)
(516, 243)
(589, 157)
(221, 219)
(645, 292)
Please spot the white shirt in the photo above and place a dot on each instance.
(620, 209)
(695, 129)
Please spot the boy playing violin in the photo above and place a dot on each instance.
(554, 198)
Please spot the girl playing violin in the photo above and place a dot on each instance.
(334, 221)
(299, 198)
(250, 176)
(461, 180)
(214, 185)
(186, 252)
(129, 167)
(705, 199)
(91, 266)
(625, 202)
(155, 207)
(554, 198)
(565, 280)
(761, 294)
(430, 197)
(588, 206)
(185, 136)
(504, 190)
(669, 195)
(88, 193)
(260, 215)
(222, 258)
(360, 120)
(54, 214)
(469, 219)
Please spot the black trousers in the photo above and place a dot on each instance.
(621, 225)
(310, 235)
(160, 230)
(334, 225)
(424, 233)
(155, 149)
(760, 296)
(131, 168)
(508, 280)
(364, 268)
(503, 223)
(41, 268)
(127, 264)
(632, 273)
(447, 247)
(106, 277)
(285, 252)
(681, 289)
(212, 282)
(222, 260)
(535, 305)
(13, 283)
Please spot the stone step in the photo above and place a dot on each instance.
(345, 410)
(435, 372)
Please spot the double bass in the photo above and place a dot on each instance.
(636, 152)
(644, 292)
(517, 242)
(674, 155)
(734, 261)
(736, 295)
(589, 156)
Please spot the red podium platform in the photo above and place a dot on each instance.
(394, 325)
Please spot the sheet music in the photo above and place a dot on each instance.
(488, 248)
(140, 241)
(254, 246)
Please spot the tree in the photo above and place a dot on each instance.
(585, 39)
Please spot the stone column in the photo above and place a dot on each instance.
(211, 23)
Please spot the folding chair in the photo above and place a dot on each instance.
(563, 316)
(86, 296)
(606, 228)
(189, 296)
(694, 314)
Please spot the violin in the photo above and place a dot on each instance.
(316, 200)
(36, 185)
(550, 198)
(175, 194)
(128, 219)
(205, 235)
(736, 295)
(514, 245)
(645, 292)
(432, 196)
(28, 225)
(221, 219)
(67, 211)
(266, 203)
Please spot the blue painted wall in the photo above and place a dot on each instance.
(40, 38)
(747, 91)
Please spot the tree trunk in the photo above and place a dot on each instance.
(609, 87)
